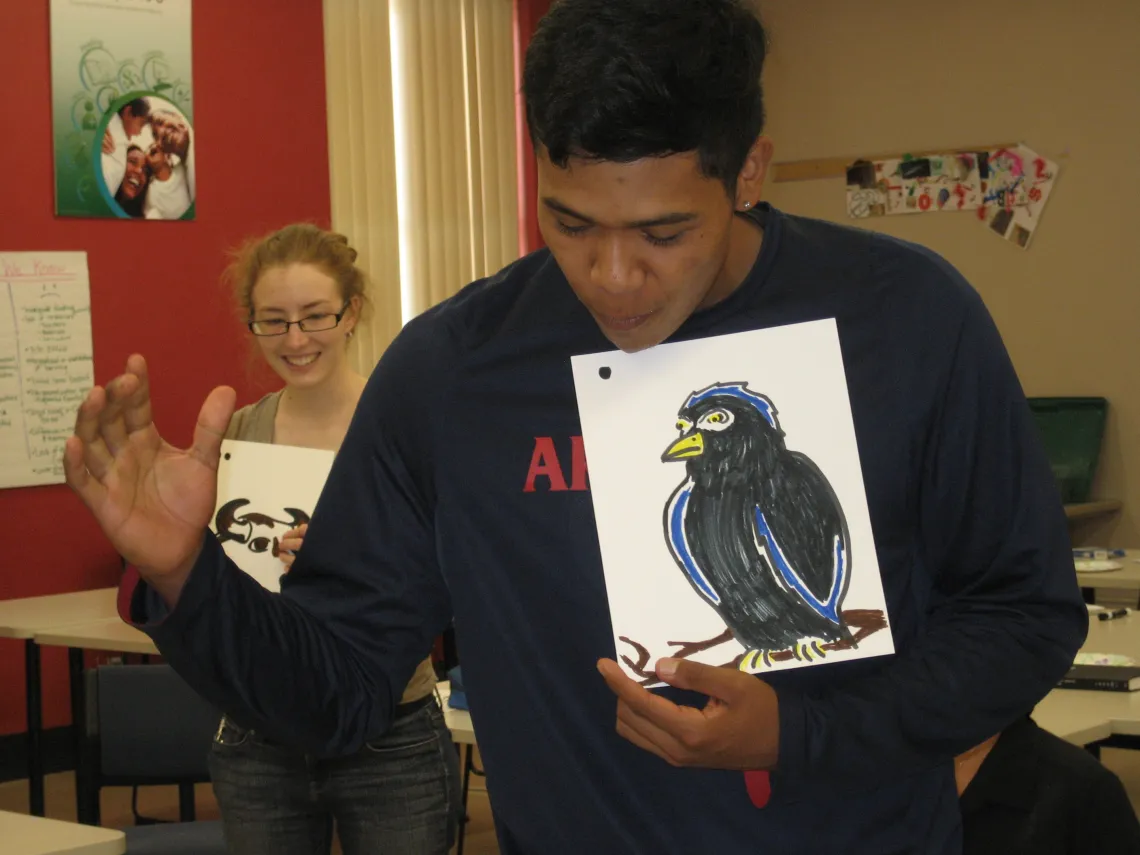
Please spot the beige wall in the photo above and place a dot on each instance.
(877, 76)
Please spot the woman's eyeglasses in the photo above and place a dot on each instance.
(312, 323)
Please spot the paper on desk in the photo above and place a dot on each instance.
(1096, 565)
(1103, 659)
(45, 361)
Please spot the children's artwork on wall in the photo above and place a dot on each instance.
(263, 491)
(947, 182)
(1007, 187)
(1019, 185)
(729, 502)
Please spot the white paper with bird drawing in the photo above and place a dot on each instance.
(263, 491)
(729, 502)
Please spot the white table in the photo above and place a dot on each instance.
(112, 635)
(1083, 716)
(458, 721)
(33, 835)
(1127, 577)
(23, 618)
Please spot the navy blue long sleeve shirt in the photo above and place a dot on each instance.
(461, 490)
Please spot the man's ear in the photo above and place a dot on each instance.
(750, 182)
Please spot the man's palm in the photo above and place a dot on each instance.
(151, 499)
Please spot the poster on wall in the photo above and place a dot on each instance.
(122, 109)
(46, 367)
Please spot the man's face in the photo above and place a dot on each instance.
(643, 244)
(134, 179)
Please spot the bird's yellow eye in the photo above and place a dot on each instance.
(717, 420)
(683, 425)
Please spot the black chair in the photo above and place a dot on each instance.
(145, 726)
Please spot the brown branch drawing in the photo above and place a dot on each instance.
(865, 622)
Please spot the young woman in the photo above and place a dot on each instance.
(301, 293)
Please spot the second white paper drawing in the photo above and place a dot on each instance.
(263, 491)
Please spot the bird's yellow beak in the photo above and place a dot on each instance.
(692, 445)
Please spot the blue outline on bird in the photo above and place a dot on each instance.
(757, 528)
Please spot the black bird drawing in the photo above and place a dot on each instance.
(756, 528)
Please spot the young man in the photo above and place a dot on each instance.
(461, 489)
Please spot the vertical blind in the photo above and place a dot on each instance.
(422, 150)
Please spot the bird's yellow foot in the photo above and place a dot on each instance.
(809, 649)
(754, 660)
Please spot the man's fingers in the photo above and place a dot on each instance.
(673, 729)
(291, 544)
(96, 458)
(661, 711)
(112, 427)
(641, 731)
(726, 684)
(136, 404)
(213, 419)
(627, 733)
(78, 478)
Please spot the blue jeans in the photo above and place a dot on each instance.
(399, 794)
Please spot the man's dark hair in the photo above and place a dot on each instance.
(139, 107)
(620, 80)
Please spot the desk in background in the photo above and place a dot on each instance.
(1127, 576)
(32, 835)
(111, 636)
(22, 619)
(1084, 716)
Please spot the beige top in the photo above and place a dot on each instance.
(254, 423)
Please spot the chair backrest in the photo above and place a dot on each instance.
(152, 727)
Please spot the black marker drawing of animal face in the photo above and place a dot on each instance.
(247, 528)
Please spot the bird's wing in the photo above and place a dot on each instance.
(678, 542)
(795, 575)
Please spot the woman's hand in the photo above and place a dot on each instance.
(290, 543)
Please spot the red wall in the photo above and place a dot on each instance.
(262, 161)
(527, 14)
